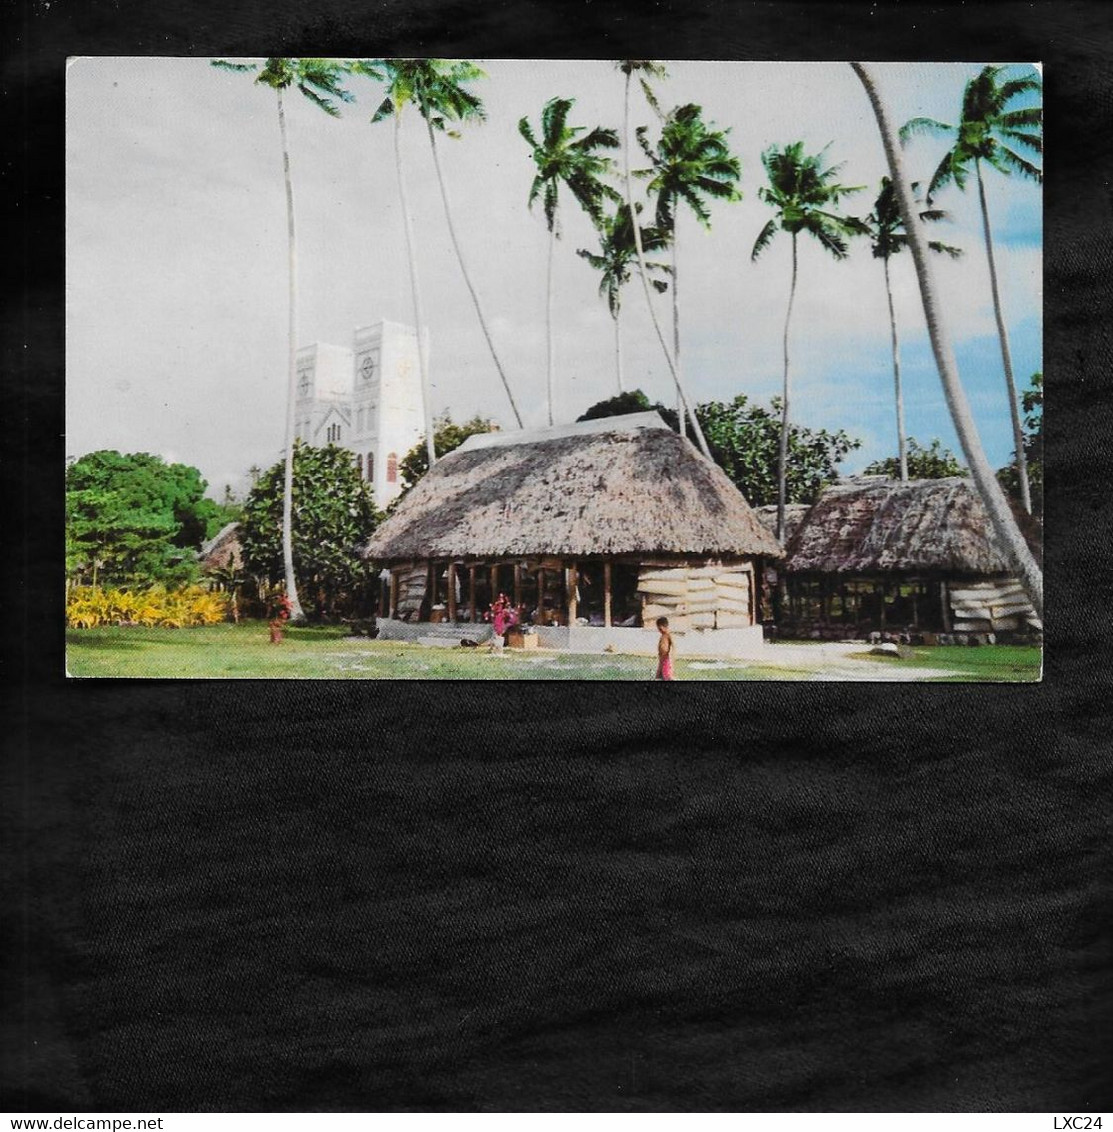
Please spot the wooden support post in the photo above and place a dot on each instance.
(471, 593)
(541, 595)
(606, 595)
(452, 591)
(393, 594)
(944, 598)
(571, 578)
(517, 586)
(431, 586)
(494, 576)
(883, 589)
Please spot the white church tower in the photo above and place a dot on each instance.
(366, 399)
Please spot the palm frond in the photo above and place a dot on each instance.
(1021, 164)
(526, 130)
(550, 202)
(239, 68)
(1033, 141)
(1030, 116)
(915, 126)
(647, 149)
(600, 137)
(945, 249)
(651, 98)
(943, 175)
(828, 238)
(385, 110)
(1009, 90)
(325, 104)
(554, 115)
(763, 238)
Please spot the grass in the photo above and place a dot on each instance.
(996, 663)
(245, 652)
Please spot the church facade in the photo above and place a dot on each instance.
(366, 398)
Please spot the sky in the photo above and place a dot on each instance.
(176, 278)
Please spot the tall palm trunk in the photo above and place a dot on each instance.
(1006, 355)
(643, 271)
(464, 271)
(782, 450)
(902, 449)
(618, 350)
(296, 611)
(680, 416)
(1008, 533)
(549, 324)
(415, 289)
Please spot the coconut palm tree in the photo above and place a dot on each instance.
(614, 262)
(988, 132)
(441, 97)
(690, 164)
(887, 238)
(1004, 525)
(563, 157)
(401, 79)
(647, 69)
(803, 190)
(319, 80)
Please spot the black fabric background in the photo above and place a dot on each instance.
(550, 897)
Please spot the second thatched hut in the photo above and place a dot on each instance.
(873, 555)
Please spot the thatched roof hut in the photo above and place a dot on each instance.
(923, 552)
(794, 513)
(619, 485)
(612, 521)
(872, 523)
(223, 550)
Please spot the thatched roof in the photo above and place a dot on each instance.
(873, 523)
(620, 485)
(222, 550)
(794, 513)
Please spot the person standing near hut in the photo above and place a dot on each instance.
(664, 650)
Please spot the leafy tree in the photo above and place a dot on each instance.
(630, 401)
(1032, 402)
(691, 164)
(802, 190)
(333, 513)
(919, 463)
(562, 157)
(744, 439)
(1012, 541)
(989, 133)
(447, 436)
(614, 260)
(134, 519)
(887, 238)
(319, 81)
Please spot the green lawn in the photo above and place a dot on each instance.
(245, 651)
